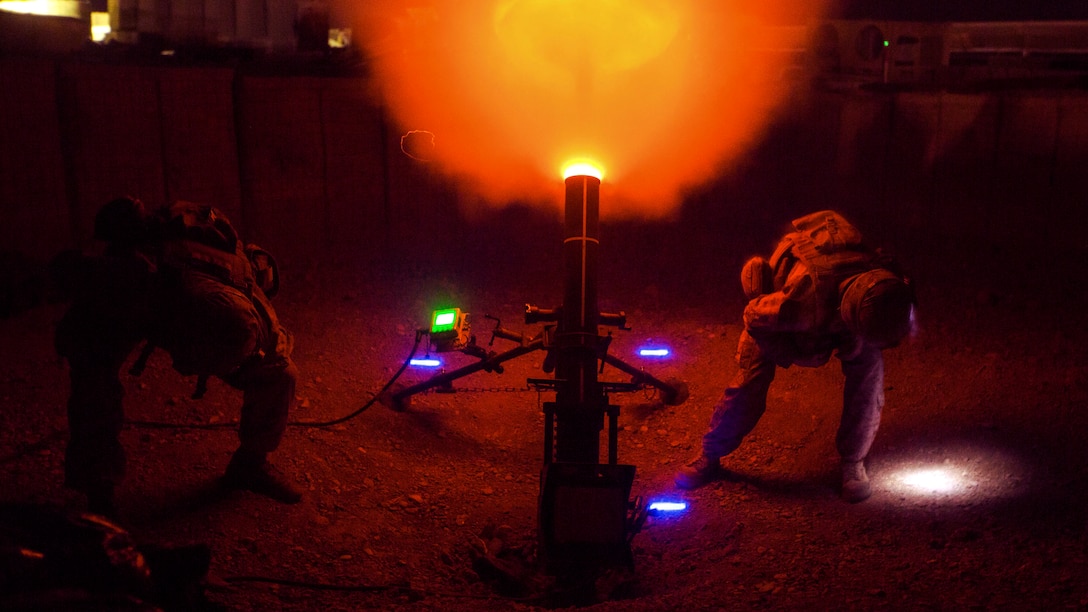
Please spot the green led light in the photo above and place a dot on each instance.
(886, 43)
(445, 320)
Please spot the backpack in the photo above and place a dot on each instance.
(210, 312)
(833, 253)
(201, 238)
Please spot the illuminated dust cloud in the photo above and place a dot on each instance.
(660, 95)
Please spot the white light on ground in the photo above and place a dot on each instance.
(955, 473)
(935, 481)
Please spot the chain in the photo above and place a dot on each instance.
(492, 389)
(649, 392)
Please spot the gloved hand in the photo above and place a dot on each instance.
(755, 278)
(265, 270)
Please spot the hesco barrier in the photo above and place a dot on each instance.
(311, 165)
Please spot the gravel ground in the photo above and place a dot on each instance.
(400, 506)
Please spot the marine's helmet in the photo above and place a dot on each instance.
(121, 221)
(878, 306)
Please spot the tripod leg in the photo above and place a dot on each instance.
(399, 400)
(673, 393)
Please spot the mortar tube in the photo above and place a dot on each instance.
(580, 404)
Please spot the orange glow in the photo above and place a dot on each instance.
(662, 93)
(582, 169)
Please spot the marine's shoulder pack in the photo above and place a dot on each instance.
(833, 252)
(827, 244)
(200, 238)
(213, 312)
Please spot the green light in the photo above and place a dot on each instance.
(886, 43)
(445, 320)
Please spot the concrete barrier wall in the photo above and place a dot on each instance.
(283, 164)
(310, 166)
(1068, 201)
(34, 216)
(199, 138)
(112, 134)
(908, 186)
(1024, 162)
(1004, 168)
(353, 130)
(863, 158)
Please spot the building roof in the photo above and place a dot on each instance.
(961, 10)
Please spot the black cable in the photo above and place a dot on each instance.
(337, 421)
(233, 424)
(165, 425)
(385, 387)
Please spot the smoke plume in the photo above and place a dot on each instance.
(660, 94)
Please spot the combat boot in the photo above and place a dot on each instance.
(254, 473)
(699, 471)
(855, 482)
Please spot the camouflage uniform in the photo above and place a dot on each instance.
(211, 323)
(212, 327)
(107, 319)
(793, 318)
(768, 342)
